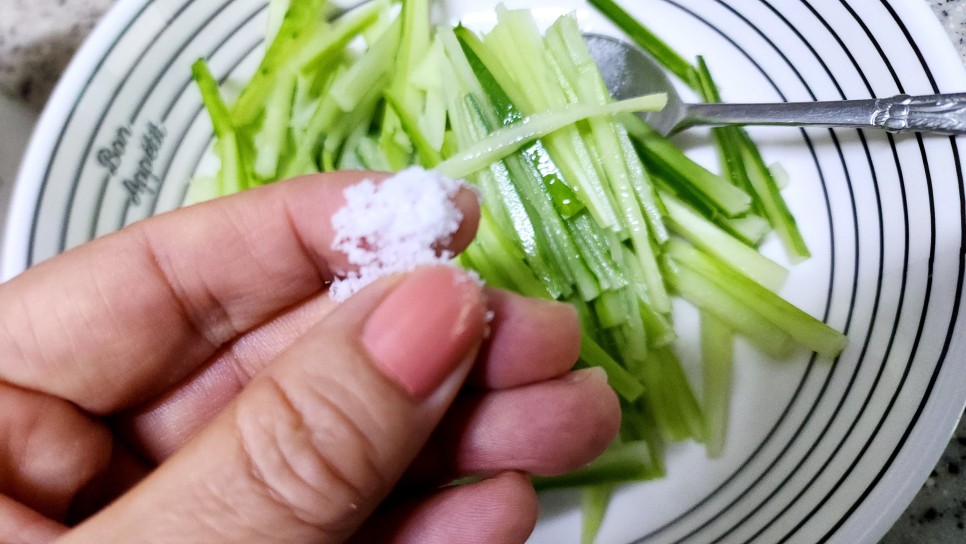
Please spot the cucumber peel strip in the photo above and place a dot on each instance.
(506, 140)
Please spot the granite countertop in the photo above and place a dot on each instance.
(38, 38)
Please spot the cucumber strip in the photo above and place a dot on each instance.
(508, 139)
(621, 463)
(779, 174)
(620, 161)
(529, 237)
(322, 46)
(414, 43)
(370, 155)
(272, 139)
(540, 162)
(394, 144)
(567, 272)
(626, 178)
(611, 309)
(713, 240)
(630, 339)
(504, 256)
(670, 397)
(717, 362)
(516, 41)
(709, 298)
(468, 126)
(489, 72)
(561, 249)
(636, 227)
(657, 324)
(643, 187)
(427, 78)
(428, 155)
(690, 180)
(340, 128)
(593, 501)
(474, 258)
(501, 264)
(595, 244)
(623, 383)
(308, 93)
(808, 331)
(648, 41)
(563, 197)
(749, 229)
(570, 153)
(773, 205)
(348, 157)
(545, 239)
(275, 14)
(310, 139)
(508, 113)
(233, 175)
(300, 20)
(726, 139)
(211, 96)
(638, 425)
(372, 69)
(746, 168)
(523, 73)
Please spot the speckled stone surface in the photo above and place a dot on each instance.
(38, 38)
(952, 13)
(938, 513)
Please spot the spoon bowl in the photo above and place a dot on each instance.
(629, 72)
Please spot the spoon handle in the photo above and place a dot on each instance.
(940, 113)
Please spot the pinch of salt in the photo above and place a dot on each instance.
(394, 226)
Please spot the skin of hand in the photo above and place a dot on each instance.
(188, 380)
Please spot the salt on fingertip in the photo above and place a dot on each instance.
(394, 226)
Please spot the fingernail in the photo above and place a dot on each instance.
(422, 330)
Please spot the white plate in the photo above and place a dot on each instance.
(817, 452)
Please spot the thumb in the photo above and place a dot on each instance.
(308, 450)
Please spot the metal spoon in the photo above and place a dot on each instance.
(629, 72)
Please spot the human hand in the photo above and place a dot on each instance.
(188, 380)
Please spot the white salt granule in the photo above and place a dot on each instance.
(394, 226)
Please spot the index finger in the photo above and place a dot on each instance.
(125, 317)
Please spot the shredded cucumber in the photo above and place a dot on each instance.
(717, 358)
(583, 201)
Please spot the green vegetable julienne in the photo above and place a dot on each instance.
(583, 202)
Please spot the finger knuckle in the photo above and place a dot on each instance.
(311, 456)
